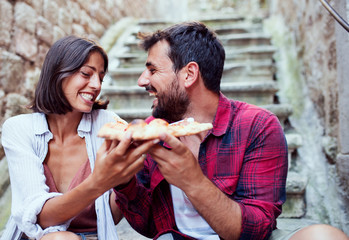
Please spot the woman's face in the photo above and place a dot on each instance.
(82, 88)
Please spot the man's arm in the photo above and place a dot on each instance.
(133, 199)
(181, 168)
(248, 209)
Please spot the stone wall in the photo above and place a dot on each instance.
(309, 76)
(27, 29)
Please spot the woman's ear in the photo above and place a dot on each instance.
(192, 74)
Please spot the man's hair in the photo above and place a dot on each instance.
(65, 57)
(192, 42)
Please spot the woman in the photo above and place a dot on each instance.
(52, 151)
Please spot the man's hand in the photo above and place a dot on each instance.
(180, 168)
(178, 165)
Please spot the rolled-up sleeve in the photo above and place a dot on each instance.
(261, 187)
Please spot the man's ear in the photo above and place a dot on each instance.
(192, 74)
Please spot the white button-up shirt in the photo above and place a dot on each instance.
(25, 140)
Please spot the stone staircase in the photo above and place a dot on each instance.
(249, 75)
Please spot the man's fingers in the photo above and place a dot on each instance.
(171, 141)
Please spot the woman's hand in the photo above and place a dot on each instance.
(117, 162)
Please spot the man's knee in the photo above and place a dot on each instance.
(319, 232)
(61, 236)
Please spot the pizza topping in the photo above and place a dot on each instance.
(143, 131)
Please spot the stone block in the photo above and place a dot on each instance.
(65, 21)
(58, 33)
(37, 5)
(11, 71)
(99, 14)
(50, 11)
(25, 17)
(44, 30)
(40, 57)
(74, 10)
(97, 29)
(15, 105)
(343, 171)
(31, 78)
(26, 44)
(85, 21)
(6, 18)
(85, 4)
(78, 30)
(61, 3)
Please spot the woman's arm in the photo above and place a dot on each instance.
(116, 163)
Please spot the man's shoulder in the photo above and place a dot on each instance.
(245, 108)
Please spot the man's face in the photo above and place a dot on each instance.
(159, 79)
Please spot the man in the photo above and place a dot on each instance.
(228, 182)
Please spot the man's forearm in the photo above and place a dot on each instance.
(219, 211)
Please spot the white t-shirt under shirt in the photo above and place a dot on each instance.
(188, 220)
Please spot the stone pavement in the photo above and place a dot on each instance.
(126, 232)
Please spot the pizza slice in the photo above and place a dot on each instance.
(144, 131)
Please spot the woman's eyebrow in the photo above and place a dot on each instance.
(93, 68)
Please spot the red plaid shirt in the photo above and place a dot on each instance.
(244, 155)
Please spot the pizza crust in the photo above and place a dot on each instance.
(143, 131)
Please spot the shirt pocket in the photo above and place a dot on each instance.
(226, 184)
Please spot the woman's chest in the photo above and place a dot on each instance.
(64, 161)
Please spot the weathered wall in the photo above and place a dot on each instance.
(29, 27)
(308, 72)
(27, 30)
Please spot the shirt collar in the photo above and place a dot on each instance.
(41, 125)
(222, 118)
(85, 123)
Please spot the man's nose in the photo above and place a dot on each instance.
(143, 80)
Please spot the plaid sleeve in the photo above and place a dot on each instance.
(134, 202)
(261, 186)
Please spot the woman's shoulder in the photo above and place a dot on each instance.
(101, 116)
(24, 119)
(23, 126)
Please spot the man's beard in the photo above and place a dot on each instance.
(172, 104)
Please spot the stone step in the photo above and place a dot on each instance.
(290, 224)
(5, 194)
(5, 208)
(5, 177)
(221, 30)
(294, 141)
(239, 40)
(258, 71)
(246, 55)
(126, 232)
(294, 207)
(245, 39)
(257, 93)
(122, 97)
(210, 21)
(231, 27)
(282, 111)
(250, 54)
(230, 19)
